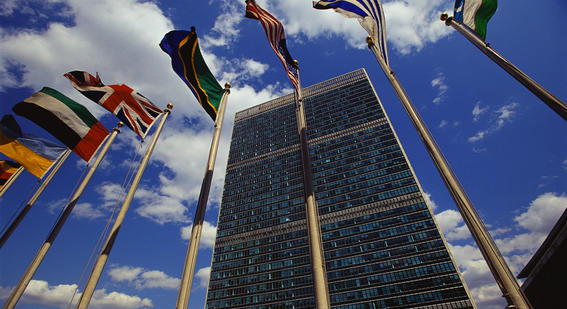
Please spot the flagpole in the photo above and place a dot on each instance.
(103, 257)
(500, 270)
(312, 213)
(191, 256)
(549, 99)
(40, 255)
(11, 180)
(34, 198)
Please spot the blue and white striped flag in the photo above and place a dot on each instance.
(368, 12)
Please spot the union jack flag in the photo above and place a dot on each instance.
(276, 37)
(132, 108)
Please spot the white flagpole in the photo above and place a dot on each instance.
(11, 180)
(103, 257)
(549, 99)
(40, 255)
(191, 257)
(319, 270)
(492, 255)
(34, 198)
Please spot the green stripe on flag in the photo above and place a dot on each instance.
(77, 108)
(483, 15)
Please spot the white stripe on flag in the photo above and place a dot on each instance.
(60, 110)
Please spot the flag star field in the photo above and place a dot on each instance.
(508, 149)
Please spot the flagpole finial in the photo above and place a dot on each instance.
(120, 124)
(296, 63)
(169, 106)
(444, 16)
(227, 86)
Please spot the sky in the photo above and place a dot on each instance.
(507, 147)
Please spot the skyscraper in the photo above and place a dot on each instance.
(382, 246)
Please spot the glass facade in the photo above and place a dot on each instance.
(382, 247)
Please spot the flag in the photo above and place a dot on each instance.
(475, 14)
(276, 37)
(67, 120)
(368, 12)
(35, 154)
(187, 61)
(7, 169)
(132, 108)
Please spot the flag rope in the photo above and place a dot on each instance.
(98, 247)
(20, 207)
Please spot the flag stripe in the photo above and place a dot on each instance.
(475, 14)
(90, 143)
(189, 46)
(78, 110)
(187, 61)
(50, 122)
(370, 15)
(132, 108)
(276, 37)
(31, 161)
(64, 120)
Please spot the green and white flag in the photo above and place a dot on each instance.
(67, 120)
(475, 14)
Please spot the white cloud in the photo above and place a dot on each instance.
(208, 234)
(543, 213)
(452, 225)
(478, 111)
(410, 25)
(203, 274)
(142, 278)
(226, 30)
(502, 116)
(517, 244)
(87, 211)
(430, 202)
(42, 293)
(439, 83)
(443, 123)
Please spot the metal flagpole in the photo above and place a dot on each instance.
(191, 257)
(504, 277)
(103, 257)
(11, 180)
(34, 198)
(312, 213)
(552, 102)
(30, 271)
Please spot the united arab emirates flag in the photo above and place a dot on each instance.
(183, 48)
(67, 120)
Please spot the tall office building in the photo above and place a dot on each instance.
(382, 247)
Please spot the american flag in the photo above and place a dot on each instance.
(132, 108)
(276, 36)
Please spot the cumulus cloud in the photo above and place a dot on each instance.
(208, 234)
(203, 274)
(42, 293)
(517, 243)
(410, 25)
(142, 278)
(451, 222)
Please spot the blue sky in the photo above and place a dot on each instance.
(507, 147)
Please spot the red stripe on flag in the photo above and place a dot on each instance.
(91, 142)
